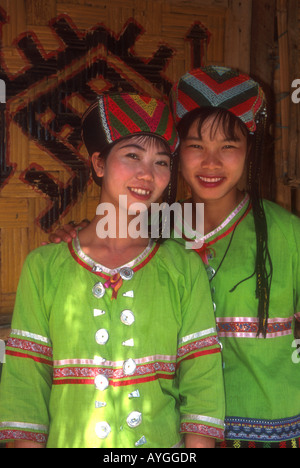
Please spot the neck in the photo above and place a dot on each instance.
(112, 251)
(216, 211)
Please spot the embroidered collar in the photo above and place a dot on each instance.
(204, 249)
(191, 235)
(226, 222)
(114, 277)
(100, 270)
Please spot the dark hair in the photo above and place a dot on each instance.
(255, 148)
(221, 117)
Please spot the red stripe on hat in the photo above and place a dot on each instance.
(169, 130)
(186, 101)
(123, 117)
(143, 114)
(245, 106)
(219, 88)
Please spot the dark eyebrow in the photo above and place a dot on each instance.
(134, 145)
(198, 138)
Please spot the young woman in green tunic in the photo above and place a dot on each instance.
(110, 345)
(251, 249)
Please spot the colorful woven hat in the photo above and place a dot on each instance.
(215, 86)
(116, 116)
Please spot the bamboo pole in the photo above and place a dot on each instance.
(283, 195)
(284, 81)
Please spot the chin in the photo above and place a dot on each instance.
(211, 195)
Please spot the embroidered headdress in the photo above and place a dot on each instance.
(221, 87)
(115, 116)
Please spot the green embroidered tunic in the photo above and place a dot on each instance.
(261, 375)
(84, 369)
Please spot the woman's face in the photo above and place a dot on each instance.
(211, 164)
(136, 167)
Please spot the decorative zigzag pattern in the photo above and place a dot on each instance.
(127, 114)
(219, 87)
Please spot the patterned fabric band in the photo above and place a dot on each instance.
(221, 87)
(115, 116)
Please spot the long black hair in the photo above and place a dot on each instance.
(255, 149)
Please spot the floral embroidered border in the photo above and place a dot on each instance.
(247, 327)
(261, 429)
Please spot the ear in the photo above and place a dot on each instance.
(98, 164)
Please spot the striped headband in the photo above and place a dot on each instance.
(215, 86)
(115, 116)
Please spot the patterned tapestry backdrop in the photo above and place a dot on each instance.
(54, 61)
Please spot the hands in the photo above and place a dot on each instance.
(67, 232)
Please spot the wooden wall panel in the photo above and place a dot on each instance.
(55, 56)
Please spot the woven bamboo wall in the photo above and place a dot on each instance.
(55, 56)
(288, 112)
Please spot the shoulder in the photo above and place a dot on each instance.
(280, 220)
(276, 211)
(47, 255)
(277, 214)
(175, 255)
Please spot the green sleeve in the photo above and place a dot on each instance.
(296, 266)
(199, 364)
(27, 372)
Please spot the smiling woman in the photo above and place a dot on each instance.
(251, 252)
(89, 362)
(213, 156)
(137, 168)
(131, 140)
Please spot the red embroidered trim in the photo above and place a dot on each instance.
(114, 373)
(28, 356)
(200, 353)
(248, 327)
(15, 434)
(204, 343)
(29, 346)
(103, 275)
(229, 230)
(113, 383)
(201, 429)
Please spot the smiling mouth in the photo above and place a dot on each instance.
(140, 191)
(211, 180)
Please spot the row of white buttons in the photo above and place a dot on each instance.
(99, 289)
(134, 419)
(126, 317)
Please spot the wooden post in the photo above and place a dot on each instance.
(238, 35)
(262, 65)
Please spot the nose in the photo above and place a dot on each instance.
(211, 159)
(145, 172)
